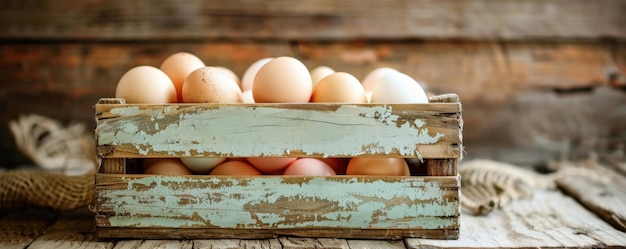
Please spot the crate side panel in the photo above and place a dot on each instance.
(280, 130)
(276, 202)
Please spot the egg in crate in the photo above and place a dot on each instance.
(381, 166)
(235, 168)
(201, 165)
(339, 87)
(398, 88)
(146, 84)
(178, 66)
(211, 85)
(371, 79)
(309, 167)
(319, 73)
(282, 80)
(165, 166)
(248, 76)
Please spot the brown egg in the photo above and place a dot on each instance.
(271, 164)
(211, 85)
(380, 166)
(230, 73)
(339, 87)
(165, 166)
(235, 168)
(282, 80)
(178, 66)
(146, 84)
(309, 167)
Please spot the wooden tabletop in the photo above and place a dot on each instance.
(548, 219)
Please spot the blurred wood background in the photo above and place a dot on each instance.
(58, 58)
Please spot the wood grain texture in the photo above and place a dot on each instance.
(606, 199)
(292, 130)
(280, 19)
(307, 243)
(140, 206)
(20, 229)
(547, 220)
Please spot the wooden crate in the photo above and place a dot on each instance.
(132, 205)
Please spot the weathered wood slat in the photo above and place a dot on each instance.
(397, 19)
(327, 130)
(231, 207)
(606, 199)
(547, 220)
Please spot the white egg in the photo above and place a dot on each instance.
(398, 88)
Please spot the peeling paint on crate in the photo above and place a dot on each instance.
(271, 202)
(233, 130)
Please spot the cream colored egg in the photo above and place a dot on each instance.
(319, 73)
(398, 88)
(339, 87)
(146, 84)
(201, 164)
(282, 80)
(211, 85)
(248, 76)
(178, 66)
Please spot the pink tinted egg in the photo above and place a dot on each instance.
(309, 167)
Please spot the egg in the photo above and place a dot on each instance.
(309, 167)
(381, 166)
(247, 97)
(178, 66)
(371, 79)
(339, 87)
(146, 84)
(229, 72)
(319, 73)
(165, 166)
(248, 76)
(398, 88)
(201, 165)
(235, 168)
(271, 164)
(211, 85)
(282, 80)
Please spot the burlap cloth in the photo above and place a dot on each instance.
(38, 188)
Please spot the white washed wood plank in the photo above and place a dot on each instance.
(277, 202)
(549, 219)
(279, 130)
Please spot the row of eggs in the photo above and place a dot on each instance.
(184, 78)
(253, 166)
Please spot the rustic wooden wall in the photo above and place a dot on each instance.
(57, 59)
